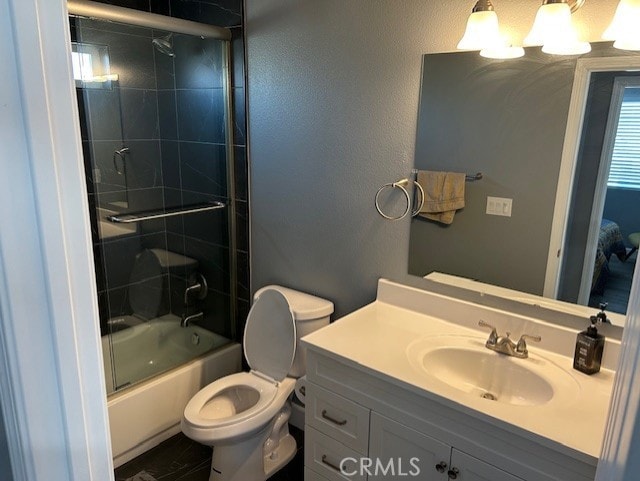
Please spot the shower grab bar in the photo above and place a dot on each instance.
(161, 214)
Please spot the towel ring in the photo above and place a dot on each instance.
(421, 203)
(395, 185)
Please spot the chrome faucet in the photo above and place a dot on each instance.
(187, 292)
(505, 345)
(186, 320)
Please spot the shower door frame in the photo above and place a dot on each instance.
(127, 16)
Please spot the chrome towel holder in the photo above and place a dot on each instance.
(402, 185)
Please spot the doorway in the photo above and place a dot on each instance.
(615, 249)
(600, 222)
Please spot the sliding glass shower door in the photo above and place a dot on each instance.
(155, 114)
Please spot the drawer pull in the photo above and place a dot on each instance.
(332, 419)
(329, 463)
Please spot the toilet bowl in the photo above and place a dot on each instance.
(245, 416)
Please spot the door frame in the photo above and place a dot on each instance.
(52, 390)
(600, 195)
(575, 123)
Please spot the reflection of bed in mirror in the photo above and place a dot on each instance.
(609, 242)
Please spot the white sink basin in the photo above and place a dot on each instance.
(466, 365)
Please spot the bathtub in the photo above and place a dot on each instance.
(147, 413)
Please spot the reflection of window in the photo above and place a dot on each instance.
(625, 163)
(91, 65)
(82, 68)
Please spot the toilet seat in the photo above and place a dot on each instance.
(270, 335)
(272, 397)
(266, 393)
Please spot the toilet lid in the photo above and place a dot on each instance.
(145, 288)
(270, 335)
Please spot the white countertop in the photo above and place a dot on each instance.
(378, 336)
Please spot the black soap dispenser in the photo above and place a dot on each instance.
(589, 347)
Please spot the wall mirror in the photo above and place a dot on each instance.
(512, 120)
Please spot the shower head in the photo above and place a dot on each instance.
(164, 45)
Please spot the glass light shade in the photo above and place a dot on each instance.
(553, 29)
(551, 21)
(482, 31)
(628, 43)
(505, 52)
(625, 26)
(573, 47)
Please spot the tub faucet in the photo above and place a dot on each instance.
(198, 289)
(505, 345)
(186, 320)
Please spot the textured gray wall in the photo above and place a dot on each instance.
(333, 89)
(333, 92)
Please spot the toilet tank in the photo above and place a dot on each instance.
(310, 314)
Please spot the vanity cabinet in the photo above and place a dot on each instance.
(424, 457)
(354, 414)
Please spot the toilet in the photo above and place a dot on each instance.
(245, 416)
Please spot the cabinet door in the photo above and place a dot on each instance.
(472, 469)
(399, 452)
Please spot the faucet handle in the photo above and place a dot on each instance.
(522, 343)
(493, 337)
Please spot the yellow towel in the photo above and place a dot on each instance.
(443, 195)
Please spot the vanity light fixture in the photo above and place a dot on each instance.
(554, 29)
(624, 28)
(483, 31)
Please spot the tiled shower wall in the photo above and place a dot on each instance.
(186, 136)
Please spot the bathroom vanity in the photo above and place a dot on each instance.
(405, 388)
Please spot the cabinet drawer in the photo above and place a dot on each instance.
(310, 475)
(325, 456)
(337, 417)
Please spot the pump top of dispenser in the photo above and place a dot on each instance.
(602, 316)
(592, 330)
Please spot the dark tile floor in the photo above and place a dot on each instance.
(181, 459)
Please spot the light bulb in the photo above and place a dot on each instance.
(504, 52)
(624, 26)
(482, 31)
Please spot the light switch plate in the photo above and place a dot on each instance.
(499, 206)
